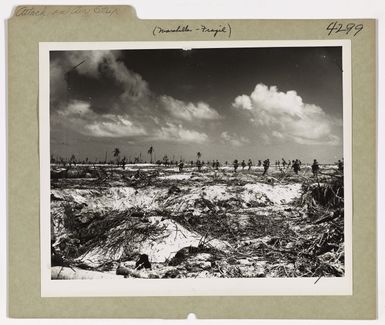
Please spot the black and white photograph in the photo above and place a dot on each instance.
(198, 162)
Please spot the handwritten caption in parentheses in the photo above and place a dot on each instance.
(71, 11)
(214, 31)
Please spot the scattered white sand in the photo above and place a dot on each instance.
(113, 198)
(176, 177)
(216, 193)
(140, 169)
(277, 194)
(187, 200)
(172, 169)
(142, 165)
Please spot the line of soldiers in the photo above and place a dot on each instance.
(294, 164)
(215, 164)
(289, 163)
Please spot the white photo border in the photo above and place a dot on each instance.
(190, 287)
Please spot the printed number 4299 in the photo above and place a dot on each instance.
(336, 27)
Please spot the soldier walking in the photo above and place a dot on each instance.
(181, 164)
(235, 165)
(199, 165)
(124, 163)
(296, 166)
(315, 168)
(340, 166)
(249, 163)
(266, 165)
(243, 164)
(217, 165)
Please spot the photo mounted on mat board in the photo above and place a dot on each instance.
(196, 168)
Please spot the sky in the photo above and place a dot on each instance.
(227, 103)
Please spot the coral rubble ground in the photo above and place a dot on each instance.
(190, 224)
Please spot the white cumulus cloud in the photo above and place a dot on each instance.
(233, 139)
(132, 110)
(115, 126)
(177, 133)
(286, 117)
(188, 111)
(80, 118)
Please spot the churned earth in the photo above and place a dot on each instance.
(213, 223)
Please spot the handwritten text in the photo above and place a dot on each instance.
(214, 31)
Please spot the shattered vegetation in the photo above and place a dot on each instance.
(190, 224)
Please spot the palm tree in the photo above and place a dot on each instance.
(116, 153)
(150, 151)
(199, 155)
(72, 160)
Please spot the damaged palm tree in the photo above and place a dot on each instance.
(324, 202)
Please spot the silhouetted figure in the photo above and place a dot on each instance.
(259, 163)
(199, 165)
(217, 165)
(249, 163)
(181, 164)
(243, 164)
(124, 163)
(143, 262)
(315, 168)
(340, 166)
(284, 163)
(296, 166)
(235, 164)
(266, 165)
